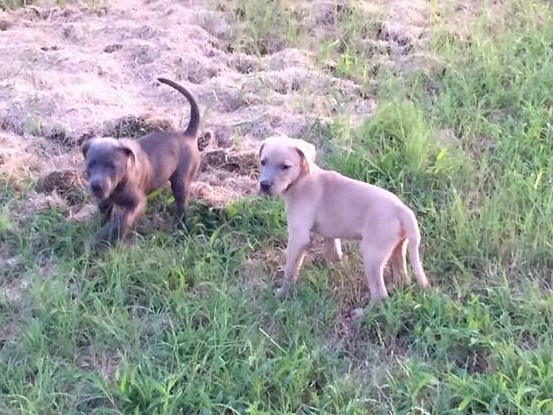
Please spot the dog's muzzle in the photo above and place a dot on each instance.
(265, 187)
(99, 189)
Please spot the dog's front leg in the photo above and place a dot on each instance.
(295, 252)
(106, 211)
(121, 224)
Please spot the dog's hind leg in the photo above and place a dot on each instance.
(399, 265)
(376, 251)
(414, 239)
(333, 250)
(180, 186)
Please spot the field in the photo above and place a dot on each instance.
(448, 104)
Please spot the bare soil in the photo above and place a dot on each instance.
(80, 71)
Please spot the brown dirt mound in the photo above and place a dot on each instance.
(69, 184)
(131, 127)
(243, 163)
(83, 70)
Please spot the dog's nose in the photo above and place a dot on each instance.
(265, 185)
(96, 187)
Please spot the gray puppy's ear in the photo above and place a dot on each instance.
(128, 149)
(85, 147)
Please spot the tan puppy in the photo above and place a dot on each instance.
(337, 207)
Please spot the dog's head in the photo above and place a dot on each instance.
(107, 162)
(282, 161)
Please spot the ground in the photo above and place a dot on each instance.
(446, 104)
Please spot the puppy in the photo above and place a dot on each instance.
(337, 207)
(123, 172)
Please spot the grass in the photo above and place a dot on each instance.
(185, 323)
(13, 4)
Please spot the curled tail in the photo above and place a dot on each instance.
(414, 238)
(194, 123)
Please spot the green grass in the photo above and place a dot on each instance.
(13, 4)
(186, 323)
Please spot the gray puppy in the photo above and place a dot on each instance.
(123, 172)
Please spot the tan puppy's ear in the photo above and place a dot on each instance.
(269, 140)
(306, 150)
(260, 149)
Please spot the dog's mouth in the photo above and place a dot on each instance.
(99, 195)
(265, 191)
(99, 192)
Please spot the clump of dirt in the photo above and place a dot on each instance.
(131, 126)
(69, 184)
(37, 202)
(25, 157)
(5, 23)
(239, 162)
(218, 188)
(85, 70)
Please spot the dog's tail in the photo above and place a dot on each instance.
(194, 123)
(414, 239)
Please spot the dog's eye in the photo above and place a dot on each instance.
(285, 166)
(262, 162)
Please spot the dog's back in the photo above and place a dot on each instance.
(348, 203)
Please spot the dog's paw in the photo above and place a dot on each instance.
(356, 314)
(333, 258)
(181, 225)
(101, 241)
(99, 246)
(94, 248)
(281, 292)
(378, 298)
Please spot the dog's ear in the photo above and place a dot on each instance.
(260, 150)
(85, 147)
(306, 150)
(128, 149)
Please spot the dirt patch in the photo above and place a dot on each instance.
(69, 184)
(98, 362)
(26, 157)
(131, 126)
(243, 163)
(91, 65)
(85, 70)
